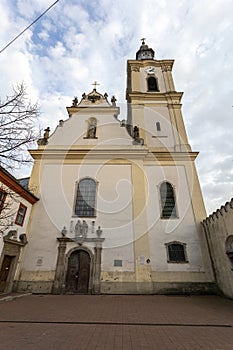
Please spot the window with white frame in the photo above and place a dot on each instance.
(21, 214)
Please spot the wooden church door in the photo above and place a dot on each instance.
(6, 264)
(78, 272)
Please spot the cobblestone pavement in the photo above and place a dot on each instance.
(114, 322)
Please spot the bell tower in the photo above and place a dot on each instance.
(154, 106)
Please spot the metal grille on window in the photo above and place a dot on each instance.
(176, 252)
(85, 203)
(167, 201)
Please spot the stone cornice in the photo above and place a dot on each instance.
(165, 64)
(81, 240)
(89, 153)
(170, 156)
(95, 109)
(171, 97)
(116, 154)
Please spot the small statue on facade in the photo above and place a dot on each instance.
(91, 131)
(64, 232)
(23, 238)
(84, 96)
(113, 100)
(105, 95)
(93, 227)
(99, 232)
(46, 133)
(136, 132)
(75, 102)
(78, 229)
(84, 229)
(61, 122)
(44, 140)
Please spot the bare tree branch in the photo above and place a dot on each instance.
(18, 117)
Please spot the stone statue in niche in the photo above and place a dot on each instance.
(91, 131)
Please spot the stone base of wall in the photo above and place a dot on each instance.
(43, 287)
(158, 288)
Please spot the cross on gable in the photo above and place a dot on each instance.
(95, 84)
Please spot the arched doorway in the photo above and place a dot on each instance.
(78, 272)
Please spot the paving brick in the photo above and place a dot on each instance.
(84, 322)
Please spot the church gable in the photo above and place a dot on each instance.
(93, 121)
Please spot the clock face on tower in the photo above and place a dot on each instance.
(150, 70)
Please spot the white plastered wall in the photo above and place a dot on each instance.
(74, 130)
(56, 210)
(182, 229)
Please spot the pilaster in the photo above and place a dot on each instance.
(59, 280)
(141, 240)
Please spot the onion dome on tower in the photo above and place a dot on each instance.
(145, 53)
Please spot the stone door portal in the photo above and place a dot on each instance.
(4, 272)
(78, 272)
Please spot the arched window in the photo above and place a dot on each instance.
(158, 126)
(167, 201)
(152, 84)
(176, 252)
(229, 249)
(86, 197)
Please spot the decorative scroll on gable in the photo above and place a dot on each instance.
(94, 98)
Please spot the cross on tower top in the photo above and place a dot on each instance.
(95, 84)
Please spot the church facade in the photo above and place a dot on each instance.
(120, 203)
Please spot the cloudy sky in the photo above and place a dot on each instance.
(77, 42)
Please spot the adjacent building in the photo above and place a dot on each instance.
(15, 206)
(218, 229)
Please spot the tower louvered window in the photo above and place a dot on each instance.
(167, 201)
(85, 202)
